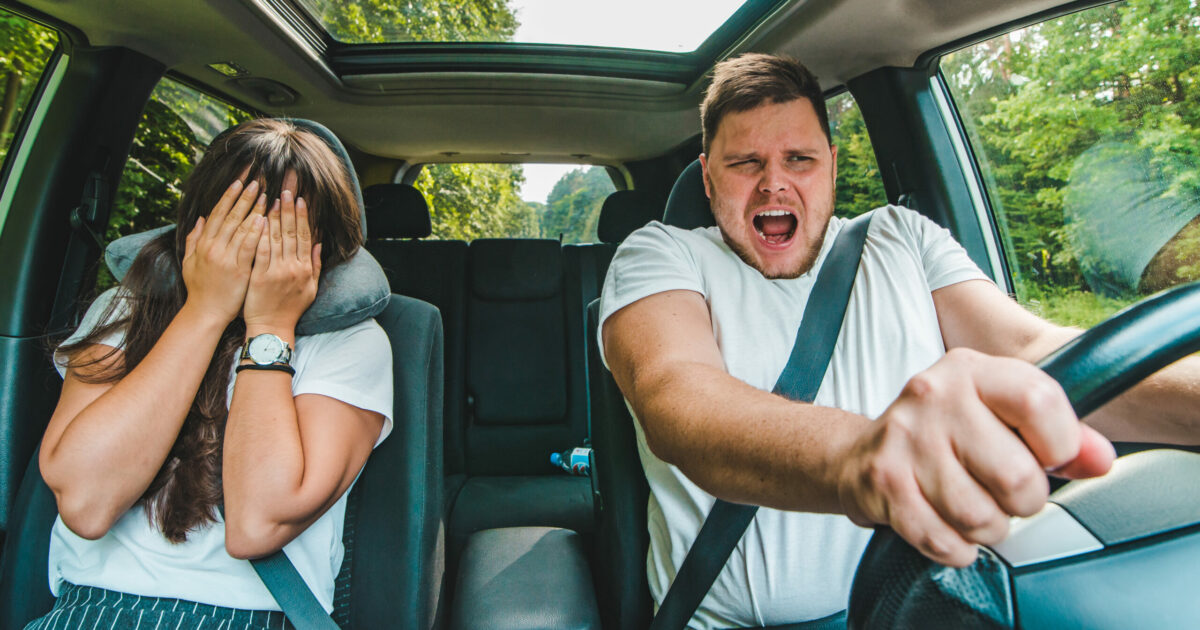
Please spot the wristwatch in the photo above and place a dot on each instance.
(267, 349)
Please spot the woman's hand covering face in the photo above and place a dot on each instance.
(283, 282)
(220, 250)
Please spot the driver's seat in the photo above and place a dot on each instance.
(622, 539)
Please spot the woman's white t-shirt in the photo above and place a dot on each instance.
(789, 566)
(353, 365)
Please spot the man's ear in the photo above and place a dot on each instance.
(704, 172)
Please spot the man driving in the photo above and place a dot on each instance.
(931, 418)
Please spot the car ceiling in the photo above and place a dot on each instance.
(511, 116)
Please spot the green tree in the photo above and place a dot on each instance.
(859, 186)
(25, 47)
(373, 21)
(470, 201)
(573, 207)
(1035, 100)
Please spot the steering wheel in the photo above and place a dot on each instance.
(1119, 551)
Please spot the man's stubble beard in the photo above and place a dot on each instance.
(802, 267)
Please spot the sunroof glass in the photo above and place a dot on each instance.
(678, 26)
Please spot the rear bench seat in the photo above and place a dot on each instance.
(515, 365)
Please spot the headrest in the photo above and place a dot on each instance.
(625, 211)
(515, 269)
(397, 211)
(347, 293)
(688, 207)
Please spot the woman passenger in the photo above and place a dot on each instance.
(186, 391)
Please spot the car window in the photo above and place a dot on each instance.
(177, 124)
(25, 49)
(1086, 129)
(470, 201)
(859, 186)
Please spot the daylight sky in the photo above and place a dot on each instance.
(669, 25)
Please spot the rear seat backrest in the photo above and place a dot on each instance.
(527, 395)
(433, 271)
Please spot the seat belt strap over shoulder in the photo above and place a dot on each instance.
(801, 378)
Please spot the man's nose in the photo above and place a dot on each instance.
(772, 180)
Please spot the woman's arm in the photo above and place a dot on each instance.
(106, 442)
(286, 460)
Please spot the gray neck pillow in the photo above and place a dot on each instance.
(346, 294)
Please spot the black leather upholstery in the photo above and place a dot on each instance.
(625, 211)
(688, 206)
(621, 536)
(524, 578)
(397, 211)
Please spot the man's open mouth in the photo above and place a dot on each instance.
(775, 227)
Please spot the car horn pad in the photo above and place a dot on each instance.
(1114, 552)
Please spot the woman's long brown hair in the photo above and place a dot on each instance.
(187, 489)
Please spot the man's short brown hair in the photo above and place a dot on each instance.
(747, 81)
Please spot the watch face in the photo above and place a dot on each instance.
(265, 349)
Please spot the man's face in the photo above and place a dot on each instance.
(769, 174)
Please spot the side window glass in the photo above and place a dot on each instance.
(1087, 133)
(470, 201)
(859, 186)
(177, 124)
(25, 48)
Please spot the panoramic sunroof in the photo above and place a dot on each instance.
(677, 26)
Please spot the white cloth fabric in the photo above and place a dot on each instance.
(353, 365)
(789, 566)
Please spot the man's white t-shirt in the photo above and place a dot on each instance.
(789, 566)
(353, 365)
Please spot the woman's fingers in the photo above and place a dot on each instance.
(303, 232)
(233, 220)
(189, 244)
(262, 252)
(247, 249)
(245, 237)
(276, 231)
(288, 223)
(316, 261)
(228, 198)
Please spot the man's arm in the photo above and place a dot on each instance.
(739, 443)
(943, 465)
(1163, 408)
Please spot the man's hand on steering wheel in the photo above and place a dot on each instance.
(966, 445)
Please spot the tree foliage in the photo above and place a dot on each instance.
(374, 21)
(469, 201)
(25, 47)
(1036, 100)
(859, 186)
(573, 208)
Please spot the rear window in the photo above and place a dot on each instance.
(470, 201)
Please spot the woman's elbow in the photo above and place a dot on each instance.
(246, 539)
(84, 518)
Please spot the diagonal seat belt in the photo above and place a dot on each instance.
(801, 377)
